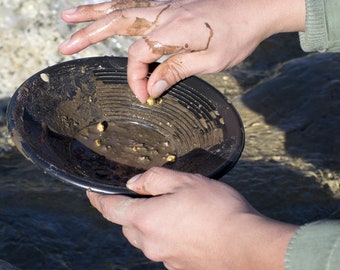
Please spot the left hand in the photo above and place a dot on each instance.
(195, 223)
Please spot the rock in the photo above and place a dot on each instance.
(303, 100)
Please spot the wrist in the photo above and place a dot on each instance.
(278, 16)
(276, 237)
(287, 16)
(260, 243)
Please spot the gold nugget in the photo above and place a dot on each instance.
(153, 101)
(171, 158)
(101, 126)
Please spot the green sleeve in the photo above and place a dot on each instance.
(315, 246)
(322, 26)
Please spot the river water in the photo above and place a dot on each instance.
(289, 102)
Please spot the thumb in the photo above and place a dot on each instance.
(158, 181)
(175, 69)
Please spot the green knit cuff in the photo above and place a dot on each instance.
(315, 246)
(314, 37)
(322, 31)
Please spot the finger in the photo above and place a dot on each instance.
(177, 68)
(112, 207)
(158, 181)
(86, 13)
(133, 236)
(121, 22)
(137, 72)
(113, 24)
(139, 58)
(189, 57)
(143, 52)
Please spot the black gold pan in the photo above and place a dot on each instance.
(79, 122)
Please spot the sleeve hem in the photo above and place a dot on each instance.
(315, 246)
(315, 36)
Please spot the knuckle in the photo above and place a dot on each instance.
(84, 35)
(152, 252)
(135, 218)
(216, 64)
(134, 50)
(106, 211)
(151, 176)
(176, 69)
(126, 232)
(145, 225)
(131, 217)
(153, 172)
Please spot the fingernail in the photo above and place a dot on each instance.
(158, 88)
(129, 183)
(69, 11)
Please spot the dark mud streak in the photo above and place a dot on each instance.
(210, 36)
(120, 5)
(160, 49)
(142, 25)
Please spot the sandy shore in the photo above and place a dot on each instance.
(30, 32)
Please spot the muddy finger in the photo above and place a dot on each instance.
(121, 22)
(86, 13)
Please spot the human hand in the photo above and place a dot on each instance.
(201, 36)
(192, 222)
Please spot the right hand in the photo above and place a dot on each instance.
(201, 36)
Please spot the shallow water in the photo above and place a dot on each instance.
(47, 225)
(289, 170)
